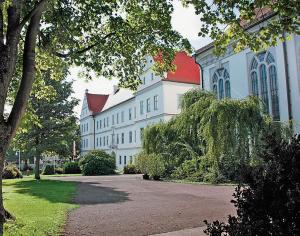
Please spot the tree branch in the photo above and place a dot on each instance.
(36, 8)
(65, 55)
(27, 73)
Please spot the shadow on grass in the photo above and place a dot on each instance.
(69, 192)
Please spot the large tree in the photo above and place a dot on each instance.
(227, 22)
(54, 126)
(108, 37)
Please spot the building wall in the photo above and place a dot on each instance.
(166, 94)
(238, 67)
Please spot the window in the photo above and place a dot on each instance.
(141, 107)
(130, 136)
(97, 124)
(124, 160)
(104, 141)
(84, 143)
(104, 123)
(117, 138)
(141, 133)
(100, 142)
(107, 140)
(122, 138)
(152, 76)
(135, 136)
(117, 118)
(107, 121)
(148, 104)
(129, 113)
(87, 127)
(120, 160)
(155, 103)
(264, 84)
(179, 100)
(87, 143)
(144, 80)
(113, 119)
(122, 116)
(97, 142)
(100, 124)
(221, 84)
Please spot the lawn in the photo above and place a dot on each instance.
(40, 207)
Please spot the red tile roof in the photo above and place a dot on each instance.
(96, 102)
(187, 70)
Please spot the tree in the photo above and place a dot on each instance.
(108, 37)
(227, 22)
(54, 128)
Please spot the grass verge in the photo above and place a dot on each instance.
(40, 207)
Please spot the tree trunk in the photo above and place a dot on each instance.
(2, 211)
(37, 168)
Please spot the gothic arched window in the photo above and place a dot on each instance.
(263, 80)
(221, 83)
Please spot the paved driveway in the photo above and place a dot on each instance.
(127, 205)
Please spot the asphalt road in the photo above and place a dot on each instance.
(127, 205)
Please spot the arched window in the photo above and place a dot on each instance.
(263, 80)
(221, 83)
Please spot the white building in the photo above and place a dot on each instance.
(115, 122)
(273, 75)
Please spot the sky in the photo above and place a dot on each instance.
(184, 21)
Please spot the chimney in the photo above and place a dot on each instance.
(115, 89)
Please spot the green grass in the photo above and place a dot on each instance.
(40, 207)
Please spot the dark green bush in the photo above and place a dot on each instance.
(59, 170)
(11, 172)
(98, 162)
(155, 166)
(72, 168)
(48, 170)
(131, 169)
(270, 203)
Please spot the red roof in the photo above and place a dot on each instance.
(96, 102)
(187, 70)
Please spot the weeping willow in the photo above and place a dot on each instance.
(227, 133)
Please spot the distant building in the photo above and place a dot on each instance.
(115, 122)
(273, 75)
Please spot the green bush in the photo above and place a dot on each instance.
(131, 169)
(141, 162)
(269, 204)
(72, 168)
(97, 162)
(59, 170)
(155, 166)
(48, 170)
(11, 172)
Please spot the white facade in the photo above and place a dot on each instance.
(118, 127)
(264, 74)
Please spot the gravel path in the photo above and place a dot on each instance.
(127, 205)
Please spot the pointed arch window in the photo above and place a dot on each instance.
(221, 83)
(263, 80)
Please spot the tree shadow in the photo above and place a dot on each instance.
(57, 191)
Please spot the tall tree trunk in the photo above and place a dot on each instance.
(2, 211)
(37, 167)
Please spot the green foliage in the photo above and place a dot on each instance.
(40, 207)
(97, 162)
(72, 168)
(59, 170)
(48, 170)
(11, 172)
(131, 169)
(141, 162)
(155, 166)
(270, 203)
(236, 16)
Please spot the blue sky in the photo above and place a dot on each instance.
(184, 21)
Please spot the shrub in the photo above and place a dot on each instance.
(97, 162)
(131, 169)
(11, 172)
(155, 166)
(141, 162)
(59, 170)
(72, 168)
(270, 203)
(48, 170)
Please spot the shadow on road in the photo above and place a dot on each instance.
(56, 191)
(93, 193)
